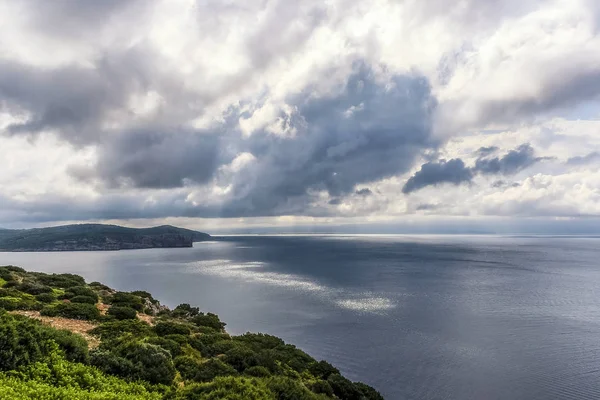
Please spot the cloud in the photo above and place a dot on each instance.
(486, 151)
(584, 160)
(153, 109)
(364, 192)
(512, 162)
(456, 172)
(434, 173)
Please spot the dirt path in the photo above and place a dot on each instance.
(73, 325)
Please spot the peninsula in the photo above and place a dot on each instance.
(88, 237)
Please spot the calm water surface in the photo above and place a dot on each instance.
(422, 317)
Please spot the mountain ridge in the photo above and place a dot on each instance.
(97, 237)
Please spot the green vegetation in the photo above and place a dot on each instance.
(182, 354)
(97, 237)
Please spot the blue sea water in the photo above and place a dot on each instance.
(417, 317)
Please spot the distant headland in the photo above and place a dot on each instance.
(94, 237)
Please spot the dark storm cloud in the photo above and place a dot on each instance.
(159, 158)
(456, 172)
(368, 131)
(486, 151)
(364, 192)
(434, 173)
(510, 163)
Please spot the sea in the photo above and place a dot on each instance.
(417, 317)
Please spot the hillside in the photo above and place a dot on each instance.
(97, 237)
(63, 338)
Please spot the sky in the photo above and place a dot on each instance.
(232, 116)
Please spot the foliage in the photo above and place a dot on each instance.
(122, 313)
(45, 297)
(124, 299)
(62, 281)
(229, 388)
(75, 291)
(60, 379)
(186, 354)
(72, 310)
(171, 328)
(137, 361)
(112, 330)
(211, 320)
(83, 299)
(211, 369)
(24, 340)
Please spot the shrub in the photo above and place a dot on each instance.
(170, 345)
(122, 313)
(164, 328)
(288, 389)
(9, 303)
(321, 387)
(62, 281)
(114, 329)
(83, 299)
(185, 311)
(240, 358)
(45, 297)
(368, 392)
(125, 299)
(211, 320)
(343, 388)
(151, 363)
(99, 286)
(33, 288)
(322, 369)
(187, 367)
(229, 388)
(74, 346)
(111, 363)
(75, 291)
(72, 310)
(213, 368)
(257, 371)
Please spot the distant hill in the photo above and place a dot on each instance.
(86, 237)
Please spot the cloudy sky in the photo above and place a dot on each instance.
(222, 115)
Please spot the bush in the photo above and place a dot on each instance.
(170, 345)
(111, 330)
(74, 346)
(188, 367)
(45, 297)
(212, 368)
(321, 387)
(72, 310)
(240, 358)
(122, 313)
(211, 320)
(61, 379)
(164, 328)
(62, 281)
(185, 311)
(33, 288)
(151, 363)
(75, 291)
(322, 369)
(287, 389)
(258, 371)
(229, 388)
(368, 392)
(124, 299)
(343, 388)
(83, 299)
